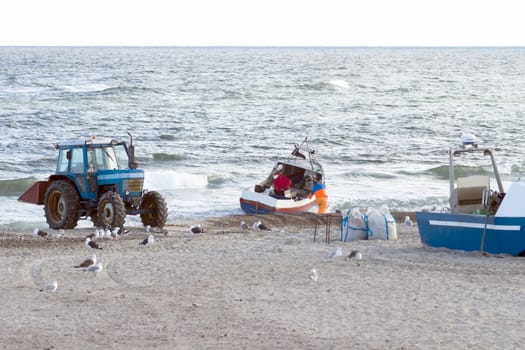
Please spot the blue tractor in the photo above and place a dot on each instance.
(96, 178)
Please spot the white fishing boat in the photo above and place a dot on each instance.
(301, 167)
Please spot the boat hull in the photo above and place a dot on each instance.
(260, 203)
(495, 235)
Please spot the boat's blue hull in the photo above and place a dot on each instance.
(495, 235)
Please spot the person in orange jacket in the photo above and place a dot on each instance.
(319, 191)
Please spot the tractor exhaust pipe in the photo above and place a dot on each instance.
(131, 148)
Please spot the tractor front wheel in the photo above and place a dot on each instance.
(61, 205)
(111, 210)
(156, 213)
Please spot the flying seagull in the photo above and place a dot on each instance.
(50, 287)
(92, 260)
(91, 244)
(40, 233)
(148, 241)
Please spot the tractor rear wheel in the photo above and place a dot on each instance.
(61, 205)
(111, 210)
(157, 210)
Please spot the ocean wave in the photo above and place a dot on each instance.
(86, 88)
(162, 179)
(215, 181)
(15, 187)
(339, 83)
(442, 172)
(161, 157)
(166, 137)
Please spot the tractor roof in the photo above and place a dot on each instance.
(91, 141)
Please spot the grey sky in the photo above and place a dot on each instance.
(268, 22)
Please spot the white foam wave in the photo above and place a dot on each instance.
(85, 88)
(340, 83)
(160, 180)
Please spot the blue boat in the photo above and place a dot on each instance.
(479, 218)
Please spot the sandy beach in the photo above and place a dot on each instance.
(226, 289)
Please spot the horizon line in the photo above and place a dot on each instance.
(269, 46)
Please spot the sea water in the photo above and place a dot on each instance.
(210, 122)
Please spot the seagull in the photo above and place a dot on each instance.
(107, 232)
(244, 226)
(354, 254)
(148, 228)
(337, 252)
(408, 222)
(99, 232)
(91, 244)
(197, 229)
(95, 268)
(120, 231)
(147, 241)
(91, 235)
(92, 260)
(50, 287)
(259, 226)
(40, 233)
(313, 275)
(225, 223)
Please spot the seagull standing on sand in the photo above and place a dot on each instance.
(148, 241)
(92, 260)
(98, 233)
(117, 231)
(313, 275)
(354, 254)
(107, 232)
(95, 268)
(244, 226)
(50, 287)
(337, 252)
(91, 244)
(408, 222)
(40, 233)
(259, 226)
(91, 235)
(197, 229)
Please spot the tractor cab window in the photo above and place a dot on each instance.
(105, 158)
(77, 161)
(63, 161)
(110, 158)
(122, 156)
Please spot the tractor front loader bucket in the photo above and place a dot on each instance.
(35, 194)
